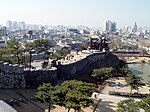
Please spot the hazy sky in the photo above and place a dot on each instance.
(76, 12)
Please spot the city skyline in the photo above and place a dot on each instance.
(78, 12)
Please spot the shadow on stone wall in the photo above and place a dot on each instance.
(86, 66)
(36, 77)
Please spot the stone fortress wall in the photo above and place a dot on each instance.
(86, 65)
(14, 76)
(35, 77)
(11, 76)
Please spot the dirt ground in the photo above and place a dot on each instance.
(30, 104)
(108, 102)
(27, 106)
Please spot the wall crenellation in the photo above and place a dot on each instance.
(36, 77)
(15, 76)
(86, 65)
(11, 76)
(9, 68)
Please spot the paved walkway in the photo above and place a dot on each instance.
(121, 80)
(71, 58)
(109, 102)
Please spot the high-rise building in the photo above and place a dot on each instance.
(9, 24)
(3, 31)
(22, 25)
(113, 27)
(110, 26)
(129, 29)
(15, 25)
(134, 28)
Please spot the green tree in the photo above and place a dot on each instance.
(73, 95)
(145, 103)
(13, 43)
(45, 94)
(148, 84)
(134, 106)
(127, 106)
(37, 44)
(124, 71)
(133, 81)
(14, 47)
(12, 53)
(102, 73)
(70, 94)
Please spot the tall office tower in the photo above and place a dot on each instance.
(129, 29)
(22, 25)
(110, 26)
(9, 24)
(134, 28)
(15, 25)
(3, 31)
(113, 27)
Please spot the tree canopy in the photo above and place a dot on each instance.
(125, 71)
(70, 94)
(102, 73)
(133, 81)
(74, 94)
(134, 106)
(45, 94)
(13, 43)
(38, 44)
(127, 106)
(145, 104)
(12, 53)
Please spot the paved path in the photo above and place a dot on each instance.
(112, 98)
(121, 80)
(109, 102)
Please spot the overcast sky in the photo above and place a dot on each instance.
(76, 12)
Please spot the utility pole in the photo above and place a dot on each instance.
(97, 105)
(30, 58)
(24, 59)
